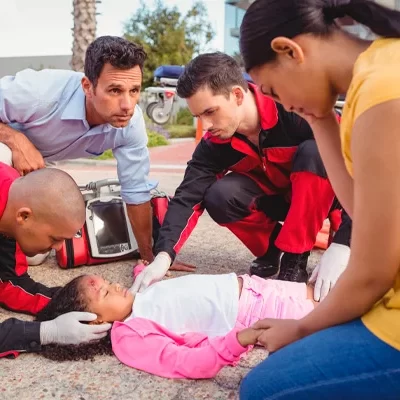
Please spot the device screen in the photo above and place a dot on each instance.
(110, 227)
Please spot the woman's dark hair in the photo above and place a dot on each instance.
(70, 298)
(268, 19)
(217, 71)
(117, 51)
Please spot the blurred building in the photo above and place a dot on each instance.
(235, 10)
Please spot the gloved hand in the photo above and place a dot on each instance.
(67, 329)
(154, 272)
(332, 264)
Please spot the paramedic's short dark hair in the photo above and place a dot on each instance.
(117, 51)
(217, 71)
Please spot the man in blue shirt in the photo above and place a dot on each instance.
(54, 115)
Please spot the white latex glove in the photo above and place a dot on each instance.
(332, 264)
(154, 272)
(67, 329)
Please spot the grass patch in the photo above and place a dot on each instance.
(107, 155)
(181, 131)
(154, 140)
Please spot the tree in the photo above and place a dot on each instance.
(168, 36)
(84, 30)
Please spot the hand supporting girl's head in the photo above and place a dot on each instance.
(110, 301)
(89, 293)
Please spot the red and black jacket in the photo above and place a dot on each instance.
(271, 166)
(19, 336)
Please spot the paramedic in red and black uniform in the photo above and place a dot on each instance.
(37, 213)
(258, 164)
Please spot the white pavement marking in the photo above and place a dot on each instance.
(168, 166)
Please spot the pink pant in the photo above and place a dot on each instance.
(268, 298)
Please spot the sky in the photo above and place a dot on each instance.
(43, 27)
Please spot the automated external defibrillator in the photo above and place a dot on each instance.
(107, 234)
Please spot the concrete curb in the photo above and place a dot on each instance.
(85, 161)
(179, 140)
(113, 163)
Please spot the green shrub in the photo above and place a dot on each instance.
(156, 139)
(107, 155)
(184, 117)
(181, 131)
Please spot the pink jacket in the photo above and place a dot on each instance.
(147, 346)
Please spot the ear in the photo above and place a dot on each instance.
(23, 214)
(288, 48)
(238, 94)
(87, 86)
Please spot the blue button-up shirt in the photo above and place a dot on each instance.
(48, 106)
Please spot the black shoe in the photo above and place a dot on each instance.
(268, 264)
(263, 268)
(294, 267)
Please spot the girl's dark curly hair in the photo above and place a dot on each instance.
(71, 298)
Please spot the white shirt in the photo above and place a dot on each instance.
(205, 304)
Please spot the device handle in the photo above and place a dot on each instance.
(99, 184)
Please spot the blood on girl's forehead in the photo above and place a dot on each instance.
(93, 282)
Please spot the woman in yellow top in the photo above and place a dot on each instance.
(348, 348)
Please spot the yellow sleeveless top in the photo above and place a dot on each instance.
(376, 79)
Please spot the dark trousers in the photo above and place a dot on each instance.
(237, 202)
(344, 362)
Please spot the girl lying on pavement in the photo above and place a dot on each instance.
(185, 327)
